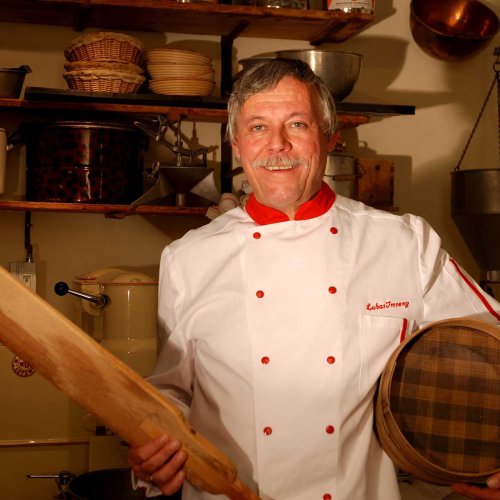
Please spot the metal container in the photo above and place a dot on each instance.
(352, 6)
(475, 209)
(125, 321)
(12, 80)
(340, 174)
(84, 162)
(452, 30)
(339, 70)
(107, 484)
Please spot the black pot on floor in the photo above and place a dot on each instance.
(107, 484)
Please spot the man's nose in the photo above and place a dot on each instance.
(278, 140)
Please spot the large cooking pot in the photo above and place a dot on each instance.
(84, 162)
(107, 484)
(125, 323)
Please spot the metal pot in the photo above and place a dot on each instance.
(452, 30)
(475, 209)
(12, 80)
(340, 174)
(84, 162)
(107, 484)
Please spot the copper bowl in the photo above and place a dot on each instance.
(452, 30)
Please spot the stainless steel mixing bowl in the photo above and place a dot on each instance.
(339, 70)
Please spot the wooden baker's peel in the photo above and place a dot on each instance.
(93, 377)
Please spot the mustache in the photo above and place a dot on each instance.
(276, 161)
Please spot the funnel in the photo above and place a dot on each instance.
(178, 181)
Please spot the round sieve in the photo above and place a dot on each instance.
(438, 405)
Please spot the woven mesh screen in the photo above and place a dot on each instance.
(445, 398)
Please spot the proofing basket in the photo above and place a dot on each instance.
(438, 405)
(104, 81)
(105, 46)
(99, 65)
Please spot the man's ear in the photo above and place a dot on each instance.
(332, 141)
(236, 149)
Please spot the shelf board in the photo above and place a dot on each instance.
(202, 18)
(113, 211)
(190, 113)
(191, 108)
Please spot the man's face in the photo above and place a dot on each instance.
(281, 145)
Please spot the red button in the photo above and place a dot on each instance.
(268, 431)
(334, 230)
(330, 429)
(256, 235)
(330, 360)
(264, 360)
(327, 496)
(332, 289)
(260, 294)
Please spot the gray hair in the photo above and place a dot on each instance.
(265, 76)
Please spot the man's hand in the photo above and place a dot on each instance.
(492, 492)
(159, 462)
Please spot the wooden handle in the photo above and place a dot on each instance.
(94, 378)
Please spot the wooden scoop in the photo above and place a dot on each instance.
(94, 378)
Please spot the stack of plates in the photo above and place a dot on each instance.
(180, 72)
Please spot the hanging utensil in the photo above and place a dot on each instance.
(475, 201)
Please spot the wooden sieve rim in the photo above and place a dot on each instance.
(410, 460)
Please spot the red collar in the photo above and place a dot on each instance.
(315, 207)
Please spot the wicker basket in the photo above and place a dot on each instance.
(104, 81)
(105, 46)
(438, 406)
(99, 65)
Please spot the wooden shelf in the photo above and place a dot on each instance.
(208, 109)
(112, 211)
(41, 109)
(202, 18)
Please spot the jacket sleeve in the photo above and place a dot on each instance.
(448, 291)
(173, 374)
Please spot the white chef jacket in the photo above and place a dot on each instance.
(277, 331)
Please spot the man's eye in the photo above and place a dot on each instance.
(258, 128)
(298, 125)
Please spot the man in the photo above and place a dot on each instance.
(273, 349)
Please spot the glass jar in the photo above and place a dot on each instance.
(352, 6)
